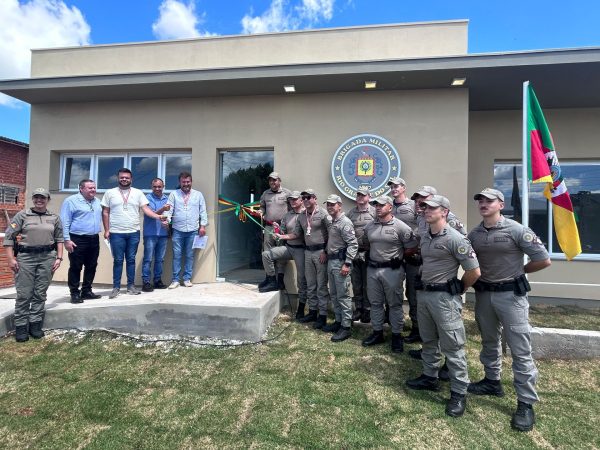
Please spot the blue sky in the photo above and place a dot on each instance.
(494, 26)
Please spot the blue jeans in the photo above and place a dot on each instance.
(124, 247)
(154, 248)
(182, 247)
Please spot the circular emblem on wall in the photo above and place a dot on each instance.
(365, 160)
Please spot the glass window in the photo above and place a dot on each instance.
(583, 182)
(145, 169)
(174, 165)
(107, 171)
(76, 168)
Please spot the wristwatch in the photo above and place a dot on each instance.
(60, 259)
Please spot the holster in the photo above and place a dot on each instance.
(455, 286)
(395, 263)
(522, 286)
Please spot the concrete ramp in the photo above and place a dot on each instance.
(219, 310)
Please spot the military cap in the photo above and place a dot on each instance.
(383, 200)
(490, 193)
(275, 176)
(397, 181)
(438, 200)
(294, 194)
(363, 190)
(41, 191)
(333, 199)
(309, 192)
(424, 191)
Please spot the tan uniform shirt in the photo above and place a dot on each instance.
(443, 253)
(360, 219)
(341, 236)
(319, 221)
(288, 224)
(405, 211)
(274, 205)
(452, 220)
(387, 240)
(35, 229)
(500, 249)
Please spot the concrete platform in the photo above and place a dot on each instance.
(218, 310)
(548, 343)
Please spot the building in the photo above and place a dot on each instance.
(13, 173)
(232, 107)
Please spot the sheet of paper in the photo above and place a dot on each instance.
(200, 241)
(108, 245)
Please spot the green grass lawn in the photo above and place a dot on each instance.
(298, 391)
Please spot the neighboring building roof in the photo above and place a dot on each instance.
(563, 78)
(12, 141)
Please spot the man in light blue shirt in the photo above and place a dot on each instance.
(189, 219)
(156, 236)
(81, 216)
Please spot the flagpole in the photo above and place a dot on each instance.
(524, 161)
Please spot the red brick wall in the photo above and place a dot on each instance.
(13, 172)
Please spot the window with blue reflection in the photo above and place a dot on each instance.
(174, 165)
(76, 168)
(107, 171)
(145, 169)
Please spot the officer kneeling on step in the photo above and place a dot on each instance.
(501, 302)
(441, 326)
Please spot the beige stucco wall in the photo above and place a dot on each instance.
(497, 135)
(414, 40)
(303, 130)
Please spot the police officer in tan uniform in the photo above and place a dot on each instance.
(424, 193)
(273, 206)
(501, 302)
(360, 216)
(291, 250)
(40, 253)
(341, 251)
(388, 239)
(313, 227)
(443, 249)
(404, 209)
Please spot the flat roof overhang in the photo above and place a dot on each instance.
(562, 78)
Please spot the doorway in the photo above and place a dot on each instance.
(242, 179)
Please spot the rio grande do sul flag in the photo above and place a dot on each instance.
(543, 167)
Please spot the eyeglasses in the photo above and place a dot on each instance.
(306, 197)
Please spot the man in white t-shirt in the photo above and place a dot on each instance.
(121, 219)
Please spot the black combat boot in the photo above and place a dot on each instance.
(414, 336)
(310, 317)
(366, 316)
(486, 387)
(280, 281)
(21, 334)
(342, 334)
(444, 373)
(397, 343)
(524, 417)
(332, 327)
(76, 297)
(357, 314)
(271, 286)
(415, 354)
(424, 383)
(300, 310)
(456, 405)
(386, 312)
(264, 282)
(35, 330)
(376, 337)
(320, 322)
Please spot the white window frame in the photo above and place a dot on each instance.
(554, 255)
(127, 157)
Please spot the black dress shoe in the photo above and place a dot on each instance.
(524, 417)
(159, 285)
(424, 383)
(413, 337)
(89, 295)
(376, 337)
(76, 298)
(415, 354)
(456, 405)
(486, 387)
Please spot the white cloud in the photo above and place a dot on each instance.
(35, 24)
(178, 20)
(282, 15)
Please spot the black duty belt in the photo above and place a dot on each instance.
(314, 248)
(340, 255)
(434, 287)
(37, 248)
(379, 265)
(494, 287)
(295, 246)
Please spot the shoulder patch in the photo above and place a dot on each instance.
(407, 234)
(528, 236)
(329, 217)
(13, 225)
(463, 249)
